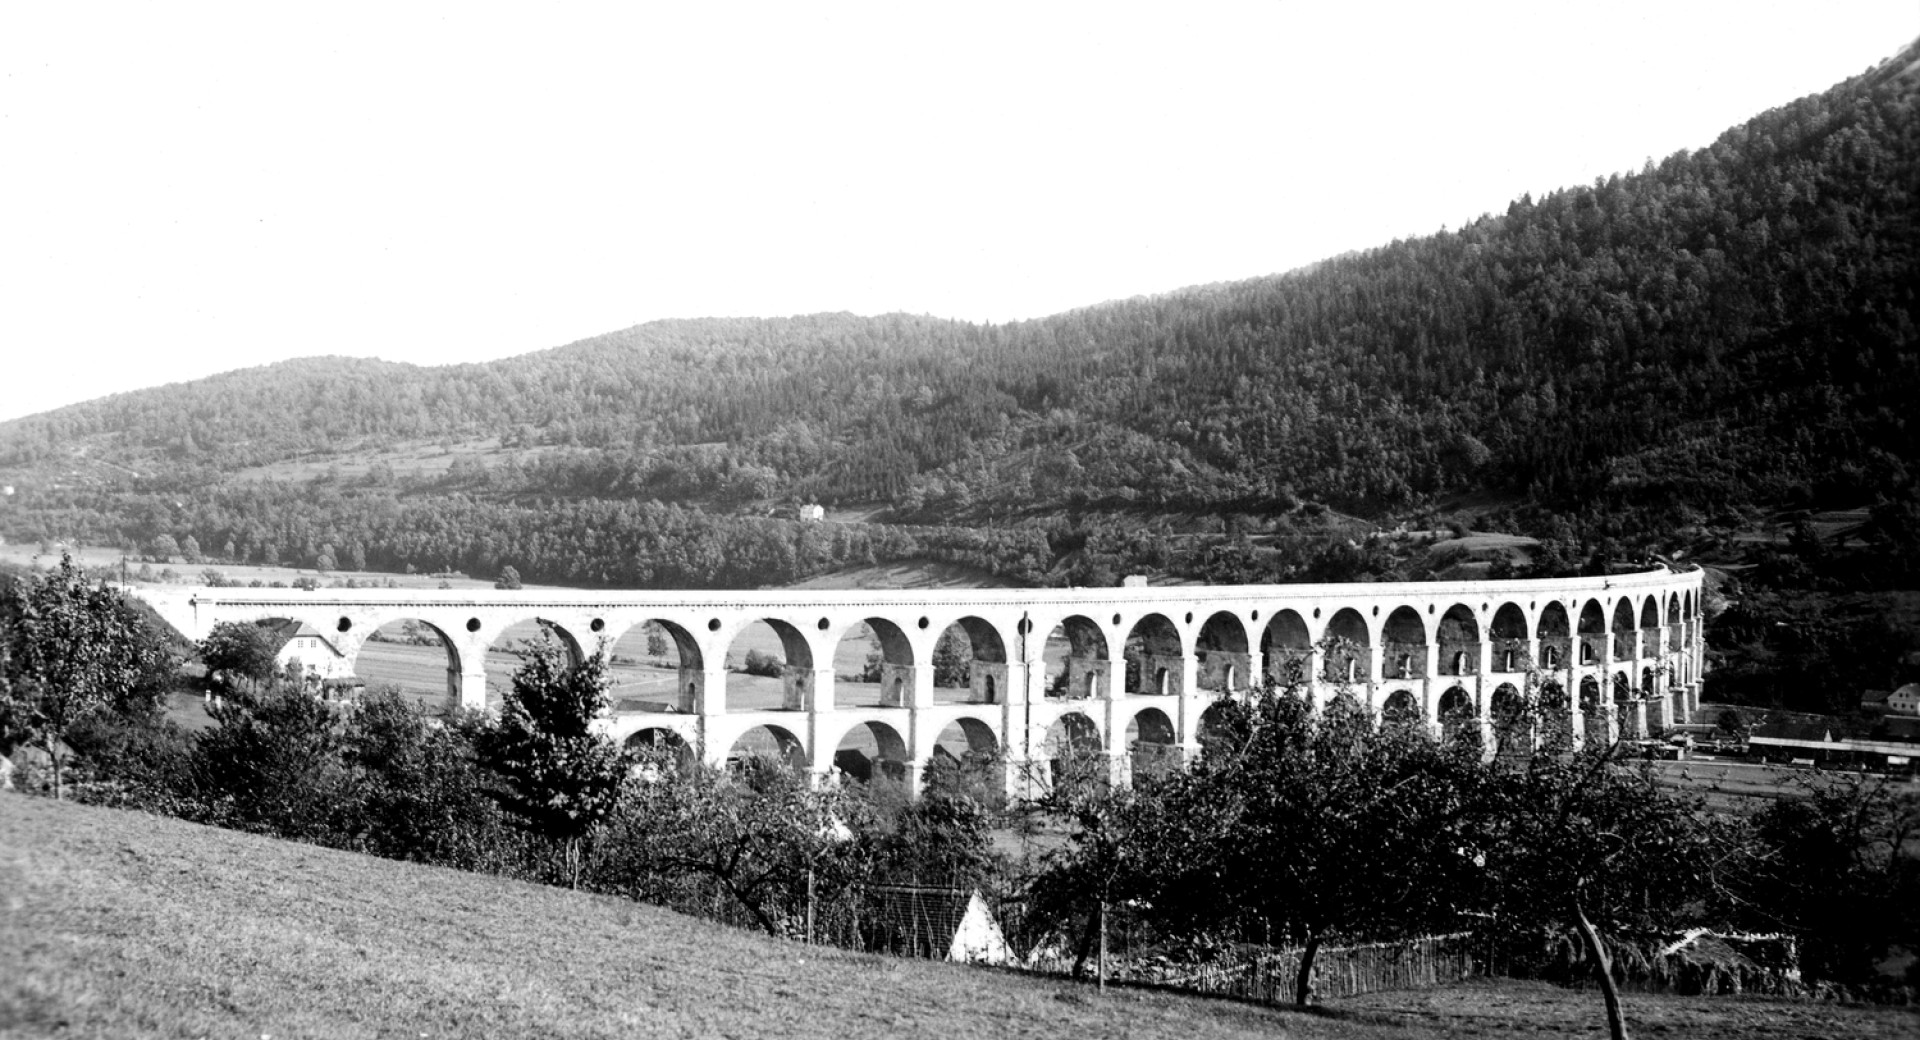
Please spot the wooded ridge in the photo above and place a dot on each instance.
(1620, 366)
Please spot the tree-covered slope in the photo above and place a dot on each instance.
(1727, 329)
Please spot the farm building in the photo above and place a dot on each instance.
(312, 653)
(1892, 743)
(1905, 700)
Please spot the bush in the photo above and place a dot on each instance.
(273, 765)
(422, 794)
(769, 665)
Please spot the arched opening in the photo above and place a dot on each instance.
(1286, 649)
(872, 752)
(1074, 752)
(966, 760)
(1649, 626)
(1152, 744)
(1153, 658)
(769, 668)
(1459, 638)
(1075, 656)
(873, 666)
(1591, 703)
(1627, 713)
(1556, 638)
(658, 747)
(414, 658)
(1222, 729)
(1459, 723)
(1674, 628)
(1593, 633)
(1509, 639)
(1222, 651)
(1401, 713)
(656, 666)
(969, 663)
(504, 653)
(774, 744)
(1625, 637)
(1556, 717)
(1653, 703)
(1347, 649)
(1403, 645)
(1512, 724)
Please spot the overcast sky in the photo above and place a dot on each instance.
(189, 188)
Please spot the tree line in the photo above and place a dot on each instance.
(1725, 329)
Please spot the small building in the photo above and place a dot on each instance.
(936, 922)
(1892, 744)
(813, 513)
(1905, 700)
(314, 655)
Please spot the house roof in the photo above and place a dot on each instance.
(1813, 732)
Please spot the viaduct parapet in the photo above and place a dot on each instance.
(1126, 673)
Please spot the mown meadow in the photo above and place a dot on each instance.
(123, 924)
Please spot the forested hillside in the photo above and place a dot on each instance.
(1624, 367)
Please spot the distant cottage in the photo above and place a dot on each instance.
(312, 653)
(1905, 700)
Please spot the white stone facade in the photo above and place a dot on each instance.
(1450, 652)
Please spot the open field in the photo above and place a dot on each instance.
(127, 925)
(29, 556)
(414, 458)
(917, 575)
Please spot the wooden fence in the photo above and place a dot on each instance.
(1339, 971)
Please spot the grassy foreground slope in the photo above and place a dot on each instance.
(120, 924)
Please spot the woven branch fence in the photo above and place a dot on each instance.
(1340, 971)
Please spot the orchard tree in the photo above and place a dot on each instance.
(238, 653)
(767, 837)
(509, 579)
(561, 778)
(421, 793)
(1152, 845)
(1583, 843)
(952, 659)
(70, 650)
(1839, 867)
(1337, 827)
(272, 764)
(942, 837)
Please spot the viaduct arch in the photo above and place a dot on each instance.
(1130, 671)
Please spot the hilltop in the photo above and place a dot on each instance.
(1661, 362)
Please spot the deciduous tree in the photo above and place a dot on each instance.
(561, 778)
(1583, 843)
(70, 649)
(239, 656)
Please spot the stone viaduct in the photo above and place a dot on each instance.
(1127, 673)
